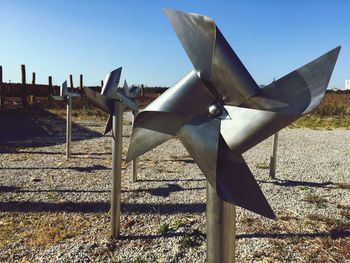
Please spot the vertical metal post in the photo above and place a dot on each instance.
(221, 217)
(273, 156)
(117, 127)
(69, 126)
(134, 162)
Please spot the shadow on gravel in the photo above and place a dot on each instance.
(88, 169)
(161, 191)
(332, 234)
(289, 183)
(19, 190)
(149, 237)
(172, 180)
(180, 160)
(99, 207)
(164, 191)
(8, 189)
(91, 154)
(22, 128)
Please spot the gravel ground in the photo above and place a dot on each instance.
(57, 210)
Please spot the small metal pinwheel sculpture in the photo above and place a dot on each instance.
(218, 112)
(67, 98)
(113, 101)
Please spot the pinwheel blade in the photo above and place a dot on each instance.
(300, 91)
(168, 113)
(241, 135)
(188, 97)
(63, 89)
(152, 129)
(130, 103)
(102, 102)
(278, 104)
(201, 138)
(226, 172)
(213, 58)
(236, 184)
(126, 89)
(109, 125)
(134, 92)
(111, 83)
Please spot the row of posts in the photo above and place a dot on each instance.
(32, 97)
(24, 83)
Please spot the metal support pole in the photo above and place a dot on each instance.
(117, 130)
(69, 126)
(221, 217)
(134, 162)
(273, 156)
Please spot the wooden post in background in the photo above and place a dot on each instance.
(71, 81)
(50, 87)
(32, 97)
(1, 98)
(142, 91)
(81, 83)
(101, 83)
(50, 81)
(23, 81)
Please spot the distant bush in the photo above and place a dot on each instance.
(334, 104)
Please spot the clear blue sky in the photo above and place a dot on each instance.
(61, 37)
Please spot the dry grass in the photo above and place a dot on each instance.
(333, 112)
(262, 166)
(343, 185)
(315, 199)
(40, 230)
(315, 238)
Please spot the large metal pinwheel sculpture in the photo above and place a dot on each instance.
(113, 101)
(67, 98)
(218, 112)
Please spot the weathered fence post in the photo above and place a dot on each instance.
(273, 157)
(81, 84)
(1, 98)
(101, 83)
(142, 91)
(50, 88)
(24, 88)
(32, 97)
(71, 81)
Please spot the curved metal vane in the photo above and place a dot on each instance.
(64, 93)
(218, 112)
(110, 92)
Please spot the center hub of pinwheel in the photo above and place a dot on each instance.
(214, 110)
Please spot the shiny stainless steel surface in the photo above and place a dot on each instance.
(116, 168)
(69, 127)
(212, 57)
(221, 220)
(113, 101)
(248, 114)
(273, 156)
(161, 120)
(111, 82)
(134, 162)
(111, 93)
(63, 89)
(67, 97)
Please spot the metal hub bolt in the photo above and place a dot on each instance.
(214, 110)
